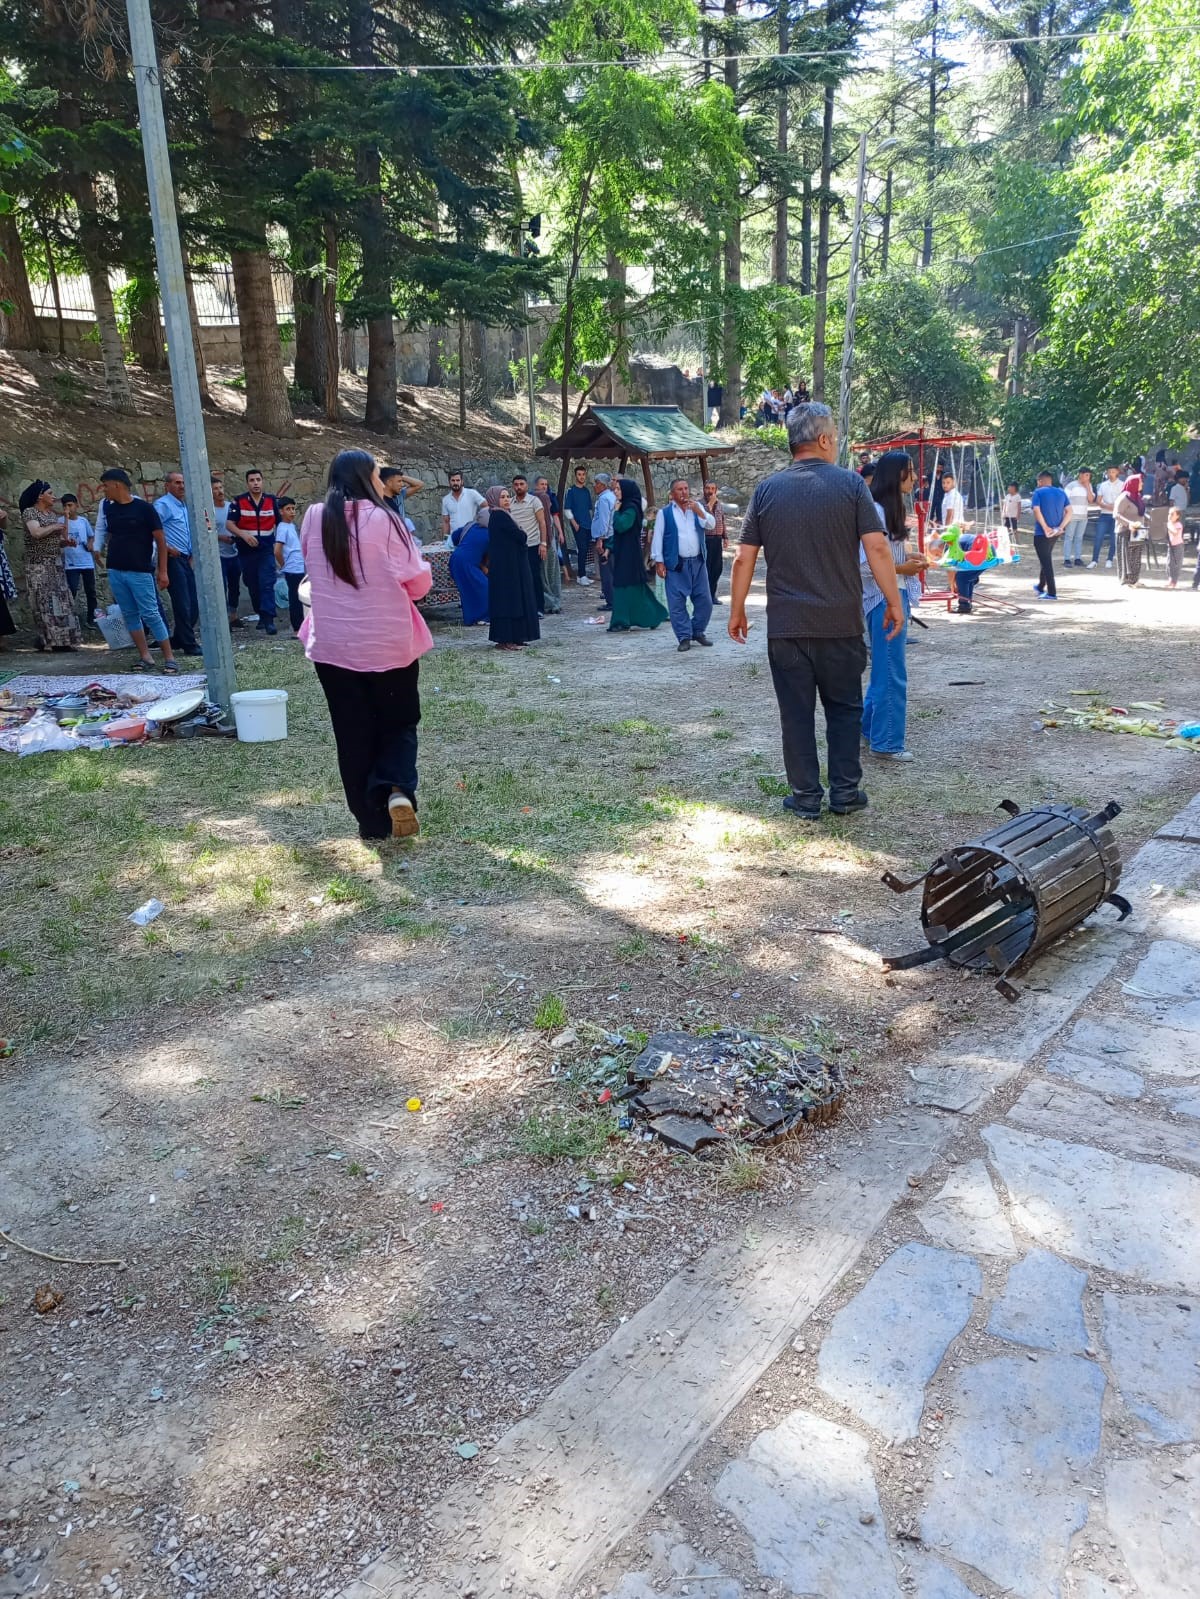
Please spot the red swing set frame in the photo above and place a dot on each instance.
(916, 441)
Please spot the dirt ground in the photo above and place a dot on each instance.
(51, 407)
(328, 1305)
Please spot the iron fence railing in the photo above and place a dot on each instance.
(216, 302)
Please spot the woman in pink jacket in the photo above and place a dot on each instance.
(365, 637)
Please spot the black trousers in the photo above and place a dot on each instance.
(87, 576)
(604, 562)
(714, 557)
(375, 717)
(295, 609)
(583, 543)
(185, 605)
(1045, 552)
(539, 588)
(830, 669)
(231, 572)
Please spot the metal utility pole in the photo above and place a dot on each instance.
(851, 301)
(533, 432)
(185, 385)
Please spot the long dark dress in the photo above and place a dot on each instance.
(634, 603)
(466, 568)
(512, 606)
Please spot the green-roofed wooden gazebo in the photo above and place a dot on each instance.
(633, 432)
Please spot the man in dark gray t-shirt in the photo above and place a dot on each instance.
(810, 521)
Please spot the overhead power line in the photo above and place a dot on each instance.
(716, 59)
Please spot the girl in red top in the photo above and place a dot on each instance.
(365, 637)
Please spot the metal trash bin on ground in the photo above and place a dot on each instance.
(998, 901)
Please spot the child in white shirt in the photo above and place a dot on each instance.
(79, 556)
(289, 558)
(1010, 509)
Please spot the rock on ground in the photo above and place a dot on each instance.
(1125, 1215)
(885, 1345)
(806, 1496)
(1042, 1305)
(1005, 1499)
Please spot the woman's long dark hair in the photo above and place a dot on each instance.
(632, 495)
(350, 474)
(890, 469)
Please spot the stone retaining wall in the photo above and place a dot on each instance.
(303, 477)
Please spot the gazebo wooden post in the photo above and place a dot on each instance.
(622, 465)
(649, 481)
(703, 459)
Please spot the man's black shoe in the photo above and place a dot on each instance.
(791, 803)
(684, 644)
(702, 638)
(858, 803)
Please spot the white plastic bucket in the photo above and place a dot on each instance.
(260, 714)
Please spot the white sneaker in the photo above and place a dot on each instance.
(584, 582)
(253, 617)
(1092, 564)
(893, 755)
(1107, 565)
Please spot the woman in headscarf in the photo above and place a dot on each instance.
(8, 587)
(467, 567)
(1131, 536)
(551, 567)
(512, 604)
(634, 604)
(45, 576)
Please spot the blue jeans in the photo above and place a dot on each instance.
(885, 708)
(802, 669)
(137, 595)
(1073, 539)
(1106, 528)
(185, 606)
(689, 583)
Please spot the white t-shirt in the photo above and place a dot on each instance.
(1109, 492)
(288, 534)
(76, 555)
(462, 510)
(952, 508)
(1078, 495)
(1011, 509)
(1178, 496)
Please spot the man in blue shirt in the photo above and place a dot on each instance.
(602, 519)
(1051, 512)
(181, 579)
(577, 507)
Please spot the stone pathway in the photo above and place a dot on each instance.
(1004, 1399)
(965, 1366)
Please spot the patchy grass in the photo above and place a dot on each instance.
(551, 1014)
(558, 1135)
(743, 1170)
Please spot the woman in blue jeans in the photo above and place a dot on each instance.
(885, 707)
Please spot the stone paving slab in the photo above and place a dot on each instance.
(1153, 1346)
(934, 1580)
(1042, 1305)
(967, 1215)
(1101, 1076)
(805, 1494)
(1006, 1498)
(884, 1346)
(1156, 1051)
(1082, 1202)
(1154, 1514)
